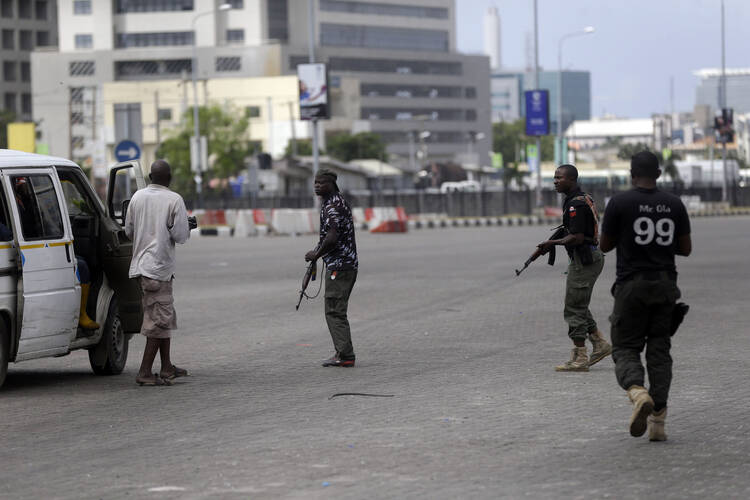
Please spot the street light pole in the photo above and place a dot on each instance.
(311, 56)
(560, 141)
(723, 104)
(196, 149)
(539, 202)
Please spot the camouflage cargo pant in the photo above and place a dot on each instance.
(159, 315)
(578, 288)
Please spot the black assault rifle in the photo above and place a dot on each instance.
(310, 275)
(559, 232)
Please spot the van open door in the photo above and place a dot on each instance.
(48, 293)
(124, 180)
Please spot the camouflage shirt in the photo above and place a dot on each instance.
(335, 212)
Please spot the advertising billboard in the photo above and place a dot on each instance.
(313, 91)
(537, 112)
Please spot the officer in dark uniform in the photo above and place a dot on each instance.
(579, 235)
(648, 227)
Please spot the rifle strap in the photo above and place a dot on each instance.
(590, 202)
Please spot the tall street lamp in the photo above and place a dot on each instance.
(585, 31)
(195, 150)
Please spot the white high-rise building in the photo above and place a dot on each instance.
(400, 55)
(25, 26)
(492, 44)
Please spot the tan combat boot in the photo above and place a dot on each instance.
(656, 425)
(643, 405)
(602, 349)
(579, 361)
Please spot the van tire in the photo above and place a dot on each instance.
(109, 356)
(4, 351)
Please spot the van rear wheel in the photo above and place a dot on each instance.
(109, 356)
(4, 351)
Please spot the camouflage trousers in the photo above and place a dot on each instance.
(578, 288)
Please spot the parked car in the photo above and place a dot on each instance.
(50, 215)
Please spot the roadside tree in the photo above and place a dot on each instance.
(228, 146)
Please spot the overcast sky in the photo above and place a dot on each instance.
(638, 44)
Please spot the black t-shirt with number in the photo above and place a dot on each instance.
(646, 224)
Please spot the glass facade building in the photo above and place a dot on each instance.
(507, 96)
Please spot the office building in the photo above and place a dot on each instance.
(707, 93)
(25, 25)
(507, 95)
(411, 80)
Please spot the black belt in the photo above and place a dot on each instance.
(654, 275)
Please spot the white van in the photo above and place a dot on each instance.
(49, 215)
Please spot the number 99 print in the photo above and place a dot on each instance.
(647, 231)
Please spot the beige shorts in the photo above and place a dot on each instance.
(159, 316)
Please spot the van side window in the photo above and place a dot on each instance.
(38, 207)
(76, 201)
(6, 233)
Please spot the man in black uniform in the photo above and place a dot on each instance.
(338, 249)
(648, 227)
(580, 237)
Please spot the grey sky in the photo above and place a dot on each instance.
(638, 44)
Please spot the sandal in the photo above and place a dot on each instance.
(156, 380)
(178, 372)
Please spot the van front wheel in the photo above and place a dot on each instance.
(109, 356)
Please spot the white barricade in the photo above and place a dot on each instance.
(358, 214)
(291, 221)
(244, 226)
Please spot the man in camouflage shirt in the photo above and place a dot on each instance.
(338, 249)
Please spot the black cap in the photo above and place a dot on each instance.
(328, 175)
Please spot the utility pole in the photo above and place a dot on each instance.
(539, 202)
(291, 123)
(158, 128)
(671, 110)
(70, 122)
(269, 119)
(93, 130)
(311, 54)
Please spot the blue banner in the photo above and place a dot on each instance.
(537, 112)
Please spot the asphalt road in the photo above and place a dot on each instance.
(439, 321)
